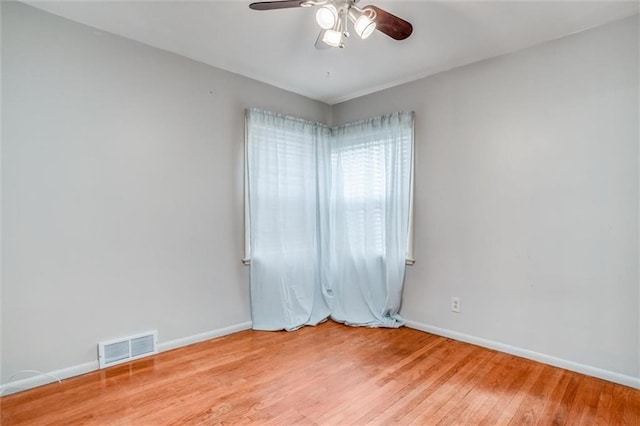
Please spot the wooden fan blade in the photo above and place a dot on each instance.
(270, 5)
(391, 25)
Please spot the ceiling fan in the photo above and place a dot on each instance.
(333, 16)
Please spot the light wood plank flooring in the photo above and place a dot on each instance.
(330, 374)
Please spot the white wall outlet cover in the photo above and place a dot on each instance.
(455, 304)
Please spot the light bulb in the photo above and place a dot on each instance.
(326, 16)
(364, 26)
(332, 38)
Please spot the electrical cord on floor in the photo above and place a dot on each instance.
(39, 373)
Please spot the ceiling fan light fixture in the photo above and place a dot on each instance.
(333, 38)
(327, 16)
(333, 17)
(364, 26)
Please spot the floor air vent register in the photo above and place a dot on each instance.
(126, 349)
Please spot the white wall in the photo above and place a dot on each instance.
(122, 190)
(527, 197)
(122, 193)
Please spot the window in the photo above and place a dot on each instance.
(370, 160)
(281, 173)
(328, 219)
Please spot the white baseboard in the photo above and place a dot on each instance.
(208, 335)
(41, 379)
(77, 370)
(600, 373)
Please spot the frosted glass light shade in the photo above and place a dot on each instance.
(327, 16)
(364, 26)
(332, 38)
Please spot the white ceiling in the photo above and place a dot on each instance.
(277, 46)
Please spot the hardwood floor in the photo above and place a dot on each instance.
(330, 374)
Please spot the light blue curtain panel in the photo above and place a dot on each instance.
(369, 221)
(282, 157)
(328, 220)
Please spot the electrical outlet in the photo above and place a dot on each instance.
(455, 304)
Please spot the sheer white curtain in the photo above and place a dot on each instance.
(328, 218)
(371, 164)
(283, 154)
